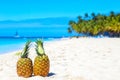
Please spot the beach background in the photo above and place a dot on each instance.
(81, 38)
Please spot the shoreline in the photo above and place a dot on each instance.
(21, 45)
(52, 40)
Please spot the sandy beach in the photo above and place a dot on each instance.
(72, 59)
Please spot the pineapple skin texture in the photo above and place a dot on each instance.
(24, 67)
(41, 66)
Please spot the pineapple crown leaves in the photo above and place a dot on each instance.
(25, 50)
(39, 47)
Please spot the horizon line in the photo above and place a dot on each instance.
(36, 18)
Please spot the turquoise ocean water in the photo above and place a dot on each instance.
(14, 38)
(13, 44)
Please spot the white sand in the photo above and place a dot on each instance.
(73, 59)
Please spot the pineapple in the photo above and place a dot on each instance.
(24, 64)
(41, 62)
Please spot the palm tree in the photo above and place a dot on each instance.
(86, 16)
(79, 19)
(93, 15)
(112, 14)
(74, 26)
(69, 30)
(98, 24)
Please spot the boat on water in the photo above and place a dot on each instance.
(16, 35)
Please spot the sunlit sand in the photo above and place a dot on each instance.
(72, 59)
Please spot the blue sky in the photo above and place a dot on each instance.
(29, 9)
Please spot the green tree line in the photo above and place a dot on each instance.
(97, 24)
